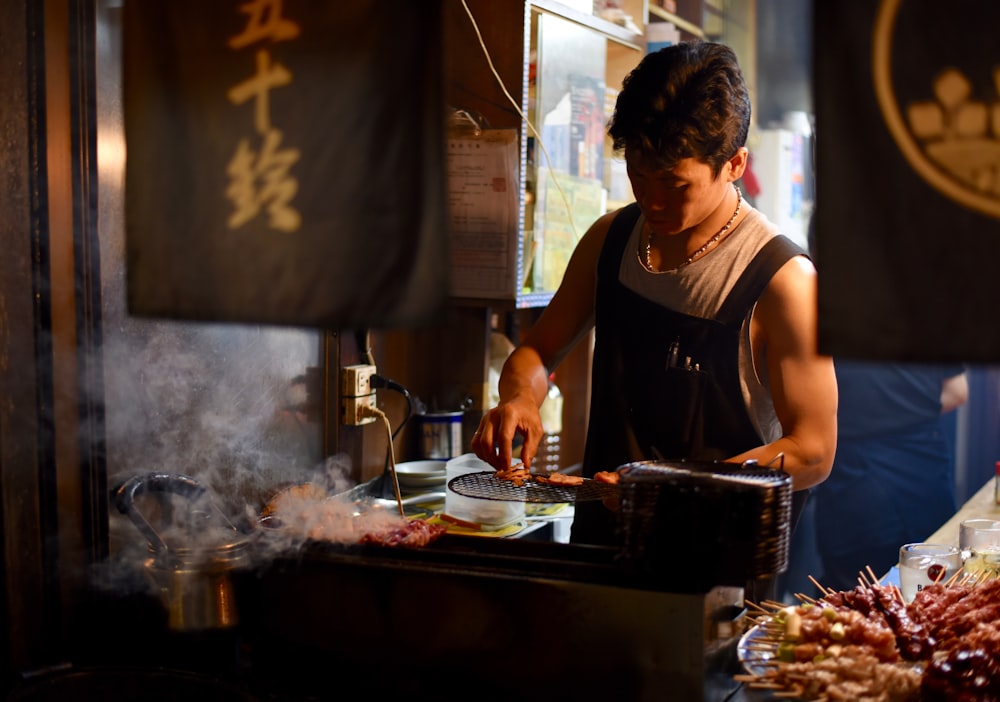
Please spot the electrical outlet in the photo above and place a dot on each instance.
(351, 413)
(356, 391)
(356, 381)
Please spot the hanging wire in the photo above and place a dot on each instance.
(390, 456)
(517, 108)
(379, 381)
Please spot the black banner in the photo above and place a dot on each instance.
(907, 225)
(285, 161)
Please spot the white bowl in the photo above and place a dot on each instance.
(421, 473)
(492, 513)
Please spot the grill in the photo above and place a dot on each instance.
(654, 617)
(486, 619)
(486, 486)
(657, 615)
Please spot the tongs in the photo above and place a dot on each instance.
(487, 486)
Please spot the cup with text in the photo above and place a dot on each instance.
(923, 564)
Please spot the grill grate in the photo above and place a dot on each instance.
(487, 486)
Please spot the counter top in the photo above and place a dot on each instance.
(982, 504)
(537, 516)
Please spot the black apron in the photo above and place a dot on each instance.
(665, 385)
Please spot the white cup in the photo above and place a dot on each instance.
(979, 540)
(921, 565)
(488, 514)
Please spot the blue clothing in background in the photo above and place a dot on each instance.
(883, 398)
(893, 478)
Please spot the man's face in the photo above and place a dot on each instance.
(677, 198)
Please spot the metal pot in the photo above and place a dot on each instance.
(190, 567)
(440, 434)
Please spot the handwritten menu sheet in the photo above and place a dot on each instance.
(484, 211)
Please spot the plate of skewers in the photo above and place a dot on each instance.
(868, 644)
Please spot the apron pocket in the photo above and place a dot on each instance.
(666, 413)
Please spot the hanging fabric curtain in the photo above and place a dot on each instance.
(285, 161)
(907, 224)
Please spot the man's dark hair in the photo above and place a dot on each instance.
(688, 100)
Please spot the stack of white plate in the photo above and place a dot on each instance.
(421, 474)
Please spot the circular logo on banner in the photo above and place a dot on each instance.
(937, 81)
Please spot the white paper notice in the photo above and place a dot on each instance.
(484, 210)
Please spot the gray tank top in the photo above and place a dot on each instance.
(699, 290)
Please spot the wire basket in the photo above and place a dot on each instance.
(704, 523)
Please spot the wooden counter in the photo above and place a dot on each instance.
(982, 504)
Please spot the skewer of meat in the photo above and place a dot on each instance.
(516, 474)
(559, 479)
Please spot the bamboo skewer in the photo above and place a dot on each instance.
(756, 606)
(957, 575)
(820, 587)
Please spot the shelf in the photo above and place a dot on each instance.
(535, 299)
(612, 31)
(522, 301)
(594, 52)
(680, 22)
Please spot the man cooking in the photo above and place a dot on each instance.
(704, 317)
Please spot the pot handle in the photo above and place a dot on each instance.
(125, 495)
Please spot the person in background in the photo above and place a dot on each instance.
(705, 318)
(893, 479)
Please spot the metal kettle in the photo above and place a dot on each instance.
(190, 566)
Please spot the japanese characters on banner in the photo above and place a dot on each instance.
(262, 178)
(285, 161)
(907, 223)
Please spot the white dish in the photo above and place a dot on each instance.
(755, 649)
(421, 469)
(406, 481)
(421, 473)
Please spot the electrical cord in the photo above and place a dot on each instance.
(362, 337)
(389, 471)
(380, 381)
(390, 457)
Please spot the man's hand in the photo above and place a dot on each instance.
(494, 439)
